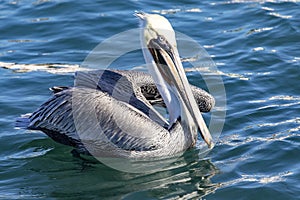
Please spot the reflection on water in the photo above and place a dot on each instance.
(187, 177)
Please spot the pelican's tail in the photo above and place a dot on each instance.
(23, 121)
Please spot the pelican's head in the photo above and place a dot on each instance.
(155, 26)
(162, 57)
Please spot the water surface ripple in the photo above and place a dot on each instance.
(255, 45)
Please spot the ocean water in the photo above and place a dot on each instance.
(255, 45)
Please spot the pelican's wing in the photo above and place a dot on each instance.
(204, 100)
(122, 86)
(81, 115)
(116, 83)
(140, 83)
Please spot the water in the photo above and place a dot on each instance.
(256, 48)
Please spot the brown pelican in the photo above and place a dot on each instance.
(127, 125)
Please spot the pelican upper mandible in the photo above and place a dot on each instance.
(127, 125)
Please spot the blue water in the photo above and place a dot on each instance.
(255, 46)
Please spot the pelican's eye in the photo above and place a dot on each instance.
(161, 38)
(163, 43)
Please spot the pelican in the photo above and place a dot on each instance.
(110, 113)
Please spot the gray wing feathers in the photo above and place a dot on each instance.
(107, 121)
(55, 115)
(205, 101)
(70, 113)
(122, 86)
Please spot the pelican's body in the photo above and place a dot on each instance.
(110, 114)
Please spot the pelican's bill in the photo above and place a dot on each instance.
(170, 67)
